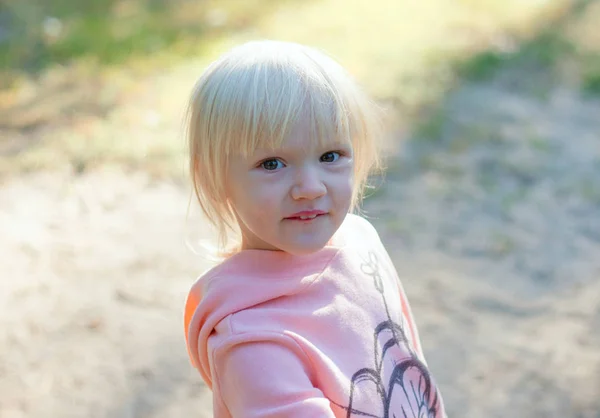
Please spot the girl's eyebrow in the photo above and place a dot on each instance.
(260, 153)
(329, 145)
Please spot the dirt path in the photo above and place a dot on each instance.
(494, 224)
(95, 271)
(494, 227)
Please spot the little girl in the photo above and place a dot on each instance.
(305, 315)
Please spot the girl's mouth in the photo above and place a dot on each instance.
(306, 216)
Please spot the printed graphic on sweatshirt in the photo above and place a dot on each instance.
(401, 381)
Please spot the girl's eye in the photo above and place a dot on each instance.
(330, 157)
(272, 164)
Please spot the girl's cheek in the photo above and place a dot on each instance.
(346, 174)
(348, 183)
(265, 187)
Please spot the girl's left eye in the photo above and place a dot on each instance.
(330, 157)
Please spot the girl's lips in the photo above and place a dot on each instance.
(305, 220)
(306, 214)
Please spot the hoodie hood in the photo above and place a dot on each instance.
(244, 280)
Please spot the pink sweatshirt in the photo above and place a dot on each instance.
(324, 335)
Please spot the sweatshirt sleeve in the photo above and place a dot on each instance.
(265, 378)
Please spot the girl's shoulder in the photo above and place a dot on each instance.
(362, 222)
(358, 229)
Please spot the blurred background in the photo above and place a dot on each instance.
(490, 207)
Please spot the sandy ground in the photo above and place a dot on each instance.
(494, 227)
(94, 275)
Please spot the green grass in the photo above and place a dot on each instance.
(404, 53)
(562, 49)
(585, 35)
(591, 76)
(566, 49)
(44, 33)
(541, 53)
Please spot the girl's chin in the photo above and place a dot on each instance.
(305, 248)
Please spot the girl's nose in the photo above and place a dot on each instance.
(308, 185)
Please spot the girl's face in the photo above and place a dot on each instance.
(294, 198)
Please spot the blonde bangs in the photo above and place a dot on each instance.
(260, 104)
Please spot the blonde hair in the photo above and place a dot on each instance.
(252, 97)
